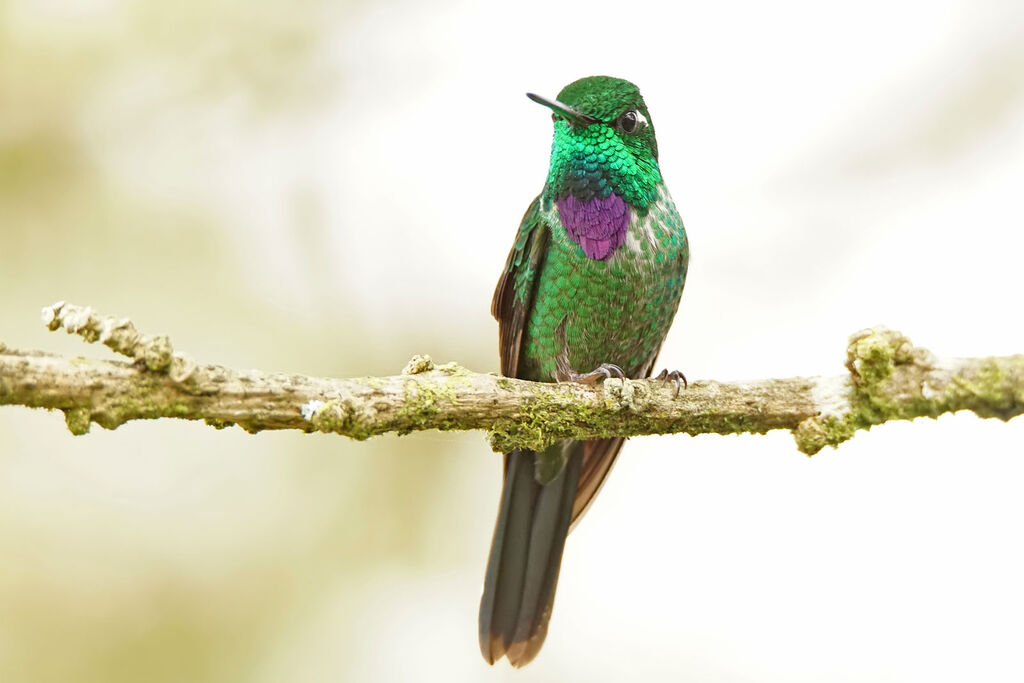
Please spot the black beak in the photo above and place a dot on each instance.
(564, 110)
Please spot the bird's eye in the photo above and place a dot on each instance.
(632, 121)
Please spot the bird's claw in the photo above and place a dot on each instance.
(675, 376)
(601, 372)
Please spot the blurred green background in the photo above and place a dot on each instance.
(329, 188)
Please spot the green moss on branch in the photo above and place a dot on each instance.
(888, 379)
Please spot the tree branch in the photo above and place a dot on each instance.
(888, 379)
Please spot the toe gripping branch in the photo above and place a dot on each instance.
(609, 370)
(601, 372)
(674, 376)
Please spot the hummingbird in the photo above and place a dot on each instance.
(589, 291)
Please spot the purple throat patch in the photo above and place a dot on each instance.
(597, 225)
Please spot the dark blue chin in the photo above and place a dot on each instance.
(586, 184)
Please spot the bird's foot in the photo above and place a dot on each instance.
(601, 372)
(675, 376)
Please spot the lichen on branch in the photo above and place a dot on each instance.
(118, 334)
(891, 379)
(887, 379)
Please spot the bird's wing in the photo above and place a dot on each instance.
(513, 297)
(598, 457)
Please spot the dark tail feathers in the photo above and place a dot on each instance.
(522, 571)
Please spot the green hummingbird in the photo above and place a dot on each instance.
(589, 291)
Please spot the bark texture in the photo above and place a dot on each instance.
(887, 378)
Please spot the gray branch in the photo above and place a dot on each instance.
(887, 378)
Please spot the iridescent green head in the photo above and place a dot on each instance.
(604, 143)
